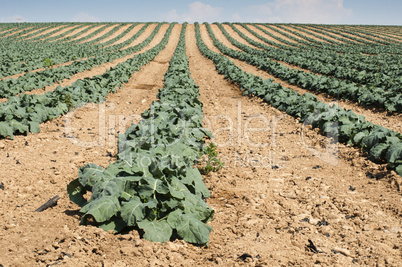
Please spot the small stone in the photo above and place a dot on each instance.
(78, 160)
(126, 251)
(172, 247)
(347, 228)
(333, 218)
(9, 226)
(138, 243)
(370, 227)
(2, 145)
(219, 261)
(343, 251)
(395, 230)
(389, 260)
(77, 236)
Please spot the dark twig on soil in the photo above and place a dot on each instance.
(52, 202)
(311, 247)
(245, 256)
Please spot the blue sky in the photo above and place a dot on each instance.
(382, 12)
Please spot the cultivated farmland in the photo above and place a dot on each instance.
(129, 124)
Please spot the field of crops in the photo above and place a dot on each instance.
(226, 144)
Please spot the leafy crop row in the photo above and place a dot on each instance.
(388, 65)
(390, 100)
(11, 87)
(368, 48)
(153, 186)
(342, 45)
(23, 114)
(367, 34)
(72, 38)
(19, 56)
(386, 76)
(63, 35)
(95, 41)
(352, 35)
(301, 41)
(381, 143)
(37, 35)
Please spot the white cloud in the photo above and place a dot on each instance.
(172, 15)
(197, 11)
(15, 18)
(301, 11)
(236, 17)
(84, 17)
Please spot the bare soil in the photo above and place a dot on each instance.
(100, 34)
(287, 195)
(263, 34)
(88, 32)
(278, 34)
(45, 32)
(79, 29)
(128, 35)
(115, 34)
(63, 31)
(17, 32)
(310, 35)
(333, 34)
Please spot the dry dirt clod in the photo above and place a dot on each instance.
(343, 251)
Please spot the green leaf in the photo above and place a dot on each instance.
(131, 186)
(34, 127)
(370, 141)
(377, 150)
(398, 169)
(151, 186)
(115, 224)
(6, 130)
(198, 133)
(173, 218)
(19, 127)
(119, 168)
(197, 207)
(133, 211)
(76, 192)
(194, 178)
(394, 153)
(392, 140)
(102, 209)
(108, 188)
(89, 174)
(177, 188)
(193, 230)
(156, 231)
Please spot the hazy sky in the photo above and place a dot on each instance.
(385, 12)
